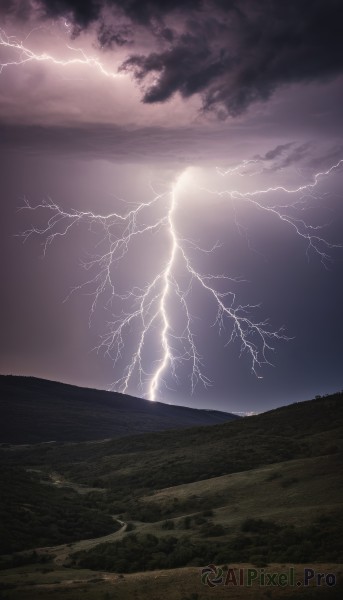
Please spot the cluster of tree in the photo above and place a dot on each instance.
(22, 559)
(34, 514)
(259, 541)
(145, 552)
(267, 541)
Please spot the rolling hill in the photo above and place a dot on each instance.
(36, 410)
(262, 491)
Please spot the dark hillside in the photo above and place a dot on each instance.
(35, 410)
(161, 459)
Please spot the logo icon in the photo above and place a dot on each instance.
(212, 575)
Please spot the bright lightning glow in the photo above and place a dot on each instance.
(156, 310)
(23, 54)
(162, 308)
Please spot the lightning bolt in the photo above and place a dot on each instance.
(23, 55)
(162, 308)
(315, 243)
(156, 309)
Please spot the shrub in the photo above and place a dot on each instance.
(289, 481)
(168, 525)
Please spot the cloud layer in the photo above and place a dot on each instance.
(232, 53)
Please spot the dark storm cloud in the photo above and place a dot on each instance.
(284, 155)
(108, 37)
(21, 9)
(177, 146)
(144, 144)
(232, 53)
(82, 12)
(85, 12)
(295, 156)
(186, 67)
(276, 152)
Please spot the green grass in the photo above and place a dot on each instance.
(158, 460)
(265, 489)
(299, 520)
(312, 483)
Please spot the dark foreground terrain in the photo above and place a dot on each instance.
(140, 516)
(36, 410)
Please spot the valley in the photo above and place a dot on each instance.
(140, 516)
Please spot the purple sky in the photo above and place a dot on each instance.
(104, 105)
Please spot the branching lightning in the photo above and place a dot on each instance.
(23, 54)
(156, 310)
(160, 311)
(315, 243)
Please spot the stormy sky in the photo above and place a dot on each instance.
(105, 105)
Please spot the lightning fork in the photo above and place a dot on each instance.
(315, 243)
(157, 309)
(26, 55)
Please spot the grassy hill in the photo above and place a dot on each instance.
(162, 459)
(263, 490)
(35, 410)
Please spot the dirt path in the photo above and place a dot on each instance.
(62, 552)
